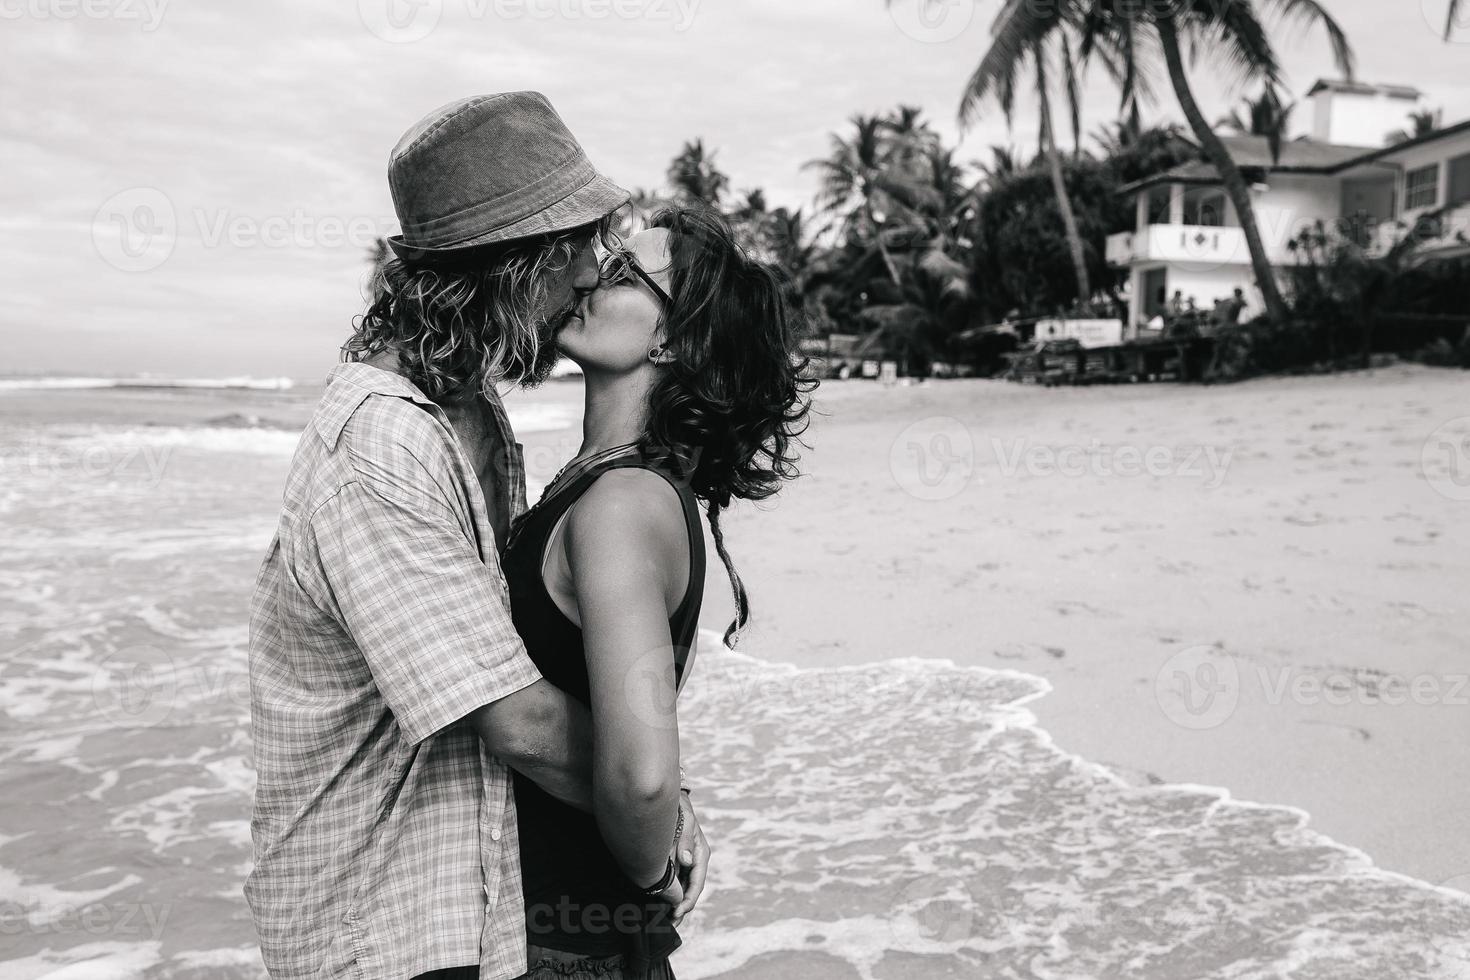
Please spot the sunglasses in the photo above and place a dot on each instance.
(620, 265)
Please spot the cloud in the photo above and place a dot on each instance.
(266, 128)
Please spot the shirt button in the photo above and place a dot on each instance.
(495, 835)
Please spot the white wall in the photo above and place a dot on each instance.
(1359, 119)
(1291, 204)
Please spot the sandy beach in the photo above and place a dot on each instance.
(1149, 681)
(1302, 545)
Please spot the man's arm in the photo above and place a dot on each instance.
(546, 736)
(434, 626)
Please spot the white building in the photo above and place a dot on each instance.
(1187, 237)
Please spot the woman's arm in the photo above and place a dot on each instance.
(627, 552)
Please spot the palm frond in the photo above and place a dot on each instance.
(1237, 38)
(1025, 26)
(1312, 13)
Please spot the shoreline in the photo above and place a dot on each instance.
(1095, 584)
(1313, 558)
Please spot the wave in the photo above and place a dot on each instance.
(104, 445)
(910, 817)
(112, 443)
(60, 383)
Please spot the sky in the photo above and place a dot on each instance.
(190, 187)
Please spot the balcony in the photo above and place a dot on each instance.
(1203, 244)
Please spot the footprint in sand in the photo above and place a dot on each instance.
(1127, 527)
(1406, 566)
(1410, 610)
(1425, 541)
(1026, 651)
(1355, 732)
(1068, 607)
(1328, 603)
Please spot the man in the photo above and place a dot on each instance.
(389, 690)
(1233, 308)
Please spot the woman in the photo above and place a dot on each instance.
(692, 393)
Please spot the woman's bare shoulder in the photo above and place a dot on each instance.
(632, 507)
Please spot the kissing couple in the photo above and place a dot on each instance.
(464, 711)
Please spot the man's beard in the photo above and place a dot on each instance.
(546, 351)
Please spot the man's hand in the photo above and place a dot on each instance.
(691, 852)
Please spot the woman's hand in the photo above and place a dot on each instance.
(691, 856)
(674, 895)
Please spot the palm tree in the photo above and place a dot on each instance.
(850, 172)
(1421, 123)
(792, 249)
(929, 305)
(1115, 137)
(859, 184)
(1026, 32)
(750, 218)
(694, 177)
(1233, 30)
(910, 136)
(1004, 162)
(1264, 116)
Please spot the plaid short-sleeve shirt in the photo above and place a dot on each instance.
(385, 836)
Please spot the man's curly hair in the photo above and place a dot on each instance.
(463, 324)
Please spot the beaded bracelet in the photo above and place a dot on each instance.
(662, 885)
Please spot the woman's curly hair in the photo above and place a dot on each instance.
(462, 324)
(733, 403)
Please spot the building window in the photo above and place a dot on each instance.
(1459, 180)
(1421, 188)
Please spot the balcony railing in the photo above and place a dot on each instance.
(1206, 244)
(1450, 230)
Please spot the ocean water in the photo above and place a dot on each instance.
(903, 819)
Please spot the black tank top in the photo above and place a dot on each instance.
(576, 898)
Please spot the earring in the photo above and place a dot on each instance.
(654, 353)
